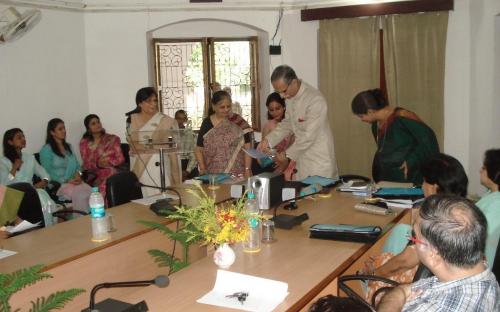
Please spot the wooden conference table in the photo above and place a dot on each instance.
(76, 262)
(309, 266)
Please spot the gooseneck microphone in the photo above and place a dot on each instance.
(162, 206)
(160, 281)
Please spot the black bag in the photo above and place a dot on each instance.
(345, 232)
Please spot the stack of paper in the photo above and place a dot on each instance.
(260, 294)
(358, 188)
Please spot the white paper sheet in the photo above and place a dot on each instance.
(151, 199)
(4, 253)
(263, 294)
(25, 225)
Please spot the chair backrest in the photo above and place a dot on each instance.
(121, 188)
(30, 208)
(125, 150)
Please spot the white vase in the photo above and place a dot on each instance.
(224, 256)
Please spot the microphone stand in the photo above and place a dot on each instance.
(117, 284)
(116, 305)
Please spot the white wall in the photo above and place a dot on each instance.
(472, 84)
(117, 52)
(42, 75)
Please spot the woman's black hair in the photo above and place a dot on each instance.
(447, 173)
(492, 165)
(51, 125)
(216, 98)
(330, 303)
(369, 99)
(8, 150)
(86, 122)
(142, 95)
(275, 97)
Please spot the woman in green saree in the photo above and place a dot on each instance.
(404, 142)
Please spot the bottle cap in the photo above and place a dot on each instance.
(95, 189)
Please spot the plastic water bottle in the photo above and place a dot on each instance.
(252, 244)
(98, 217)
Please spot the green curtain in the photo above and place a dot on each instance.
(348, 63)
(414, 56)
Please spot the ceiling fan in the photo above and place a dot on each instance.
(17, 24)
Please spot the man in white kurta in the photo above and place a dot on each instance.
(307, 118)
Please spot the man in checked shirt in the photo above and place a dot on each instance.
(450, 236)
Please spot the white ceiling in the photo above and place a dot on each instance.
(153, 5)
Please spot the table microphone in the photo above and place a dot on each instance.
(160, 281)
(162, 207)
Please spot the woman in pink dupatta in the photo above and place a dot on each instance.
(101, 153)
(221, 139)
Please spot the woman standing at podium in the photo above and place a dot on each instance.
(221, 140)
(146, 119)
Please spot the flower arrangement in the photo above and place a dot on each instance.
(211, 223)
(207, 223)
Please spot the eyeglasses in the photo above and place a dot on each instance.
(416, 241)
(286, 89)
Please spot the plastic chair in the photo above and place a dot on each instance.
(121, 188)
(422, 272)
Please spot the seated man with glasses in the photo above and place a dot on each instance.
(450, 237)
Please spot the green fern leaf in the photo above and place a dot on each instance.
(162, 258)
(179, 265)
(20, 279)
(55, 301)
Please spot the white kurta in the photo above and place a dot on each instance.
(307, 118)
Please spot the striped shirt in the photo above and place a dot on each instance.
(479, 292)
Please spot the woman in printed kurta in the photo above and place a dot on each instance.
(17, 166)
(60, 161)
(404, 142)
(101, 153)
(221, 140)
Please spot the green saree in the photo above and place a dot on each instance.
(404, 137)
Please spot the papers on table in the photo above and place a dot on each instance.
(23, 226)
(152, 199)
(4, 253)
(354, 186)
(263, 294)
